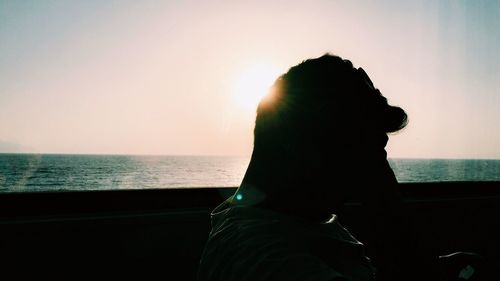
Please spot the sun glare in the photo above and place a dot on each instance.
(253, 84)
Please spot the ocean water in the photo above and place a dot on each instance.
(45, 172)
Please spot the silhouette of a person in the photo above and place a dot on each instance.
(319, 140)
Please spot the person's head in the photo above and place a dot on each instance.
(323, 125)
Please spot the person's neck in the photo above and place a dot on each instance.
(292, 204)
(277, 188)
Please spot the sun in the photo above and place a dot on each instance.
(253, 84)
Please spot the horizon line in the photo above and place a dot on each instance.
(216, 155)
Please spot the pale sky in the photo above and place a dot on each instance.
(183, 77)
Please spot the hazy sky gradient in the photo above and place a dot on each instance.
(158, 77)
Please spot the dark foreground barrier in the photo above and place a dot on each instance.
(159, 234)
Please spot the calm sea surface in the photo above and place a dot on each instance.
(44, 172)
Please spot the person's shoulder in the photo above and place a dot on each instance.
(256, 244)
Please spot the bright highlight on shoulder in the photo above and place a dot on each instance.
(254, 83)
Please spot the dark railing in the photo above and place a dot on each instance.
(67, 204)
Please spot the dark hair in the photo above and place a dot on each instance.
(326, 93)
(322, 125)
